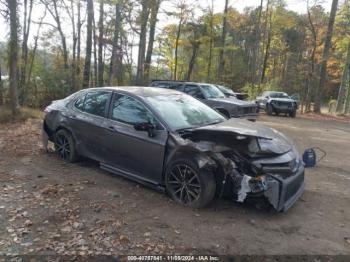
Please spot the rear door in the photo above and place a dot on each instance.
(88, 123)
(130, 151)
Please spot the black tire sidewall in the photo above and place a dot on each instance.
(206, 179)
(73, 154)
(292, 114)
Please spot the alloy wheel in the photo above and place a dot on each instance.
(63, 147)
(184, 184)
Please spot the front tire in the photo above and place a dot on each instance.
(187, 186)
(293, 113)
(65, 146)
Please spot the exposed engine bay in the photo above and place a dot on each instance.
(248, 167)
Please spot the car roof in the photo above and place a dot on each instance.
(280, 92)
(182, 82)
(142, 91)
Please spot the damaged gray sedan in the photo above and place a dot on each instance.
(171, 141)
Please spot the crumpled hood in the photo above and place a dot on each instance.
(244, 127)
(233, 101)
(282, 99)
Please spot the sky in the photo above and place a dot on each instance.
(298, 6)
(295, 5)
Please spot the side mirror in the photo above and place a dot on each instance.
(145, 126)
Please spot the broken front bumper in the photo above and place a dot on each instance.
(283, 191)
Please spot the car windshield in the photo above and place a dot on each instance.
(226, 89)
(279, 95)
(211, 91)
(181, 111)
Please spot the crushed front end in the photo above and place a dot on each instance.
(253, 162)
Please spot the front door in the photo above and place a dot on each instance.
(130, 150)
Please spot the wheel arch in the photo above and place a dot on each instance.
(66, 128)
(201, 159)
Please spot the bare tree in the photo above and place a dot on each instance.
(211, 40)
(115, 66)
(1, 88)
(183, 14)
(325, 56)
(222, 43)
(100, 44)
(53, 10)
(152, 29)
(24, 57)
(311, 68)
(78, 42)
(31, 64)
(268, 30)
(342, 89)
(13, 55)
(145, 10)
(87, 66)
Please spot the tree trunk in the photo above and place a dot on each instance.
(70, 11)
(268, 25)
(87, 66)
(342, 89)
(24, 56)
(13, 69)
(347, 103)
(310, 82)
(1, 88)
(178, 33)
(152, 30)
(34, 50)
(325, 56)
(95, 73)
(142, 43)
(113, 67)
(195, 48)
(211, 25)
(253, 52)
(221, 66)
(77, 67)
(100, 45)
(265, 58)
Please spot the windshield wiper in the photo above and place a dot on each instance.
(214, 122)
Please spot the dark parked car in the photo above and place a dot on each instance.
(230, 93)
(213, 97)
(169, 140)
(277, 102)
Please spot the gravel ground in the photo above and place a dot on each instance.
(49, 207)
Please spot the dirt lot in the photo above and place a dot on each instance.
(49, 207)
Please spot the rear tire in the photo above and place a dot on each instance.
(187, 186)
(65, 146)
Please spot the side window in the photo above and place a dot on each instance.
(194, 91)
(129, 110)
(79, 103)
(96, 103)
